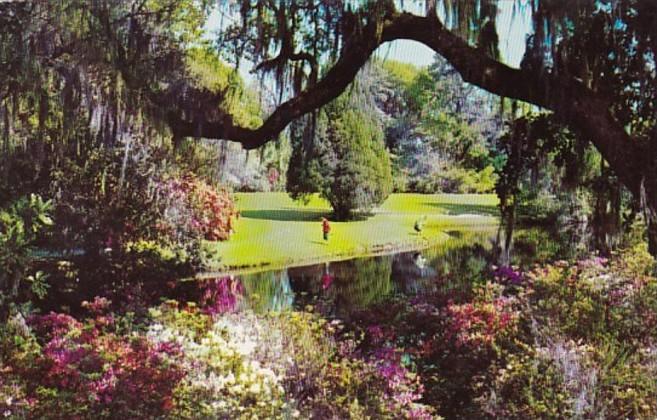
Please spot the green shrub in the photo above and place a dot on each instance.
(529, 386)
(457, 180)
(105, 202)
(20, 227)
(348, 163)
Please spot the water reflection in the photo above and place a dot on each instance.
(268, 291)
(339, 288)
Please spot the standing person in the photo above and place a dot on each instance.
(419, 225)
(326, 228)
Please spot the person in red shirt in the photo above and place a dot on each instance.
(326, 228)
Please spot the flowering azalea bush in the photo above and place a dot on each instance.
(596, 298)
(480, 323)
(90, 367)
(185, 361)
(223, 377)
(403, 385)
(122, 223)
(561, 340)
(192, 208)
(290, 364)
(591, 351)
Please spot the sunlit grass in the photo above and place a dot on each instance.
(274, 230)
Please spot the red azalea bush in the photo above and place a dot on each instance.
(478, 324)
(562, 340)
(92, 367)
(193, 208)
(448, 338)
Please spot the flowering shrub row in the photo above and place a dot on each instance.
(189, 362)
(562, 340)
(71, 368)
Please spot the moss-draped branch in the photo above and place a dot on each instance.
(583, 109)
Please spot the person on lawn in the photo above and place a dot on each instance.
(326, 228)
(419, 225)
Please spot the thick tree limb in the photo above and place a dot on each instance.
(355, 54)
(581, 108)
(578, 106)
(282, 58)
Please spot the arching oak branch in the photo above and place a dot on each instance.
(581, 108)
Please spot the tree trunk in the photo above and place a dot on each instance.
(648, 199)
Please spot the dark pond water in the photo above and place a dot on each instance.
(337, 289)
(342, 287)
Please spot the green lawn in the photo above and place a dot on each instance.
(275, 231)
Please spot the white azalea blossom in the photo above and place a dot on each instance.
(220, 364)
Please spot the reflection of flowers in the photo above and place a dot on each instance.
(222, 295)
(327, 279)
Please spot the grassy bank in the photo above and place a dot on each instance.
(275, 231)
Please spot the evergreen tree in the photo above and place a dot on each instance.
(344, 159)
(362, 175)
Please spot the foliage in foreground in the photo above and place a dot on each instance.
(195, 362)
(20, 227)
(564, 340)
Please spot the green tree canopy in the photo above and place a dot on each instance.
(590, 62)
(362, 174)
(349, 165)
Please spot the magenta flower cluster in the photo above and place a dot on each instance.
(222, 295)
(91, 365)
(508, 275)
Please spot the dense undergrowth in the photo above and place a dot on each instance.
(561, 340)
(190, 362)
(108, 226)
